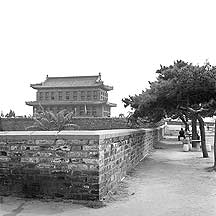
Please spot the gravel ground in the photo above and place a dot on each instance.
(169, 182)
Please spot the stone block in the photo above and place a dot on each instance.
(106, 161)
(93, 142)
(60, 160)
(90, 147)
(76, 160)
(72, 166)
(4, 148)
(93, 179)
(72, 142)
(32, 171)
(15, 147)
(30, 142)
(17, 154)
(46, 147)
(90, 161)
(44, 142)
(76, 148)
(90, 172)
(45, 159)
(77, 154)
(82, 166)
(44, 154)
(17, 142)
(30, 147)
(4, 159)
(45, 171)
(106, 155)
(60, 154)
(101, 148)
(60, 142)
(93, 154)
(76, 172)
(78, 141)
(93, 167)
(45, 166)
(29, 160)
(29, 154)
(79, 179)
(77, 166)
(63, 167)
(84, 142)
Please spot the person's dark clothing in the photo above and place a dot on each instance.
(181, 134)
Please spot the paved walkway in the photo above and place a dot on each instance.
(168, 183)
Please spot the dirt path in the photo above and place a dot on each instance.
(168, 183)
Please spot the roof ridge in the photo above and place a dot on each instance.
(72, 77)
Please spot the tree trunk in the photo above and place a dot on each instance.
(1, 129)
(202, 133)
(194, 129)
(187, 128)
(185, 121)
(202, 129)
(215, 147)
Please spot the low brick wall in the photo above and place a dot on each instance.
(122, 151)
(79, 165)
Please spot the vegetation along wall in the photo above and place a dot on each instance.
(79, 165)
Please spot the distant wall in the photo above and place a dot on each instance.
(15, 124)
(97, 123)
(182, 124)
(79, 165)
(173, 127)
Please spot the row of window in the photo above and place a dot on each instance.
(74, 95)
(79, 110)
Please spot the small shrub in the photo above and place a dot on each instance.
(48, 120)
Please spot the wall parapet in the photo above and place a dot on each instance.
(79, 165)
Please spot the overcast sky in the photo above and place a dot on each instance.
(124, 40)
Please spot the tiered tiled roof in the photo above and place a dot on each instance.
(72, 81)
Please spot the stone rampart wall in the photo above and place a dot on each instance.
(79, 165)
(85, 123)
(120, 153)
(97, 123)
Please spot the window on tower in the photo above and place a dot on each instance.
(46, 95)
(82, 95)
(75, 95)
(95, 95)
(40, 95)
(52, 96)
(88, 95)
(60, 95)
(67, 95)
